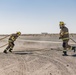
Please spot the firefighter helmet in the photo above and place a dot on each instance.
(61, 23)
(19, 33)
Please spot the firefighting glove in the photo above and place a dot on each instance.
(60, 37)
(74, 48)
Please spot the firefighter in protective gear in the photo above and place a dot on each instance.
(11, 40)
(64, 35)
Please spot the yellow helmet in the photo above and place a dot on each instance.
(19, 33)
(61, 23)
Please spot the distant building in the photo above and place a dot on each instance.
(44, 33)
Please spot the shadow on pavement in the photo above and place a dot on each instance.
(22, 52)
(74, 55)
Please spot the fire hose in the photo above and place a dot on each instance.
(2, 39)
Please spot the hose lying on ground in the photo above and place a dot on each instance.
(3, 45)
(4, 37)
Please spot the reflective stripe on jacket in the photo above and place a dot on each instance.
(13, 37)
(64, 33)
(65, 39)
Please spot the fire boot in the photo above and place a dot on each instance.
(65, 53)
(10, 50)
(5, 51)
(74, 48)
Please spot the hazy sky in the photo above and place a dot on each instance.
(36, 16)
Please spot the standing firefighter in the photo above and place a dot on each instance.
(11, 40)
(64, 35)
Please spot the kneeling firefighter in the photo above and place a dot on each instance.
(11, 40)
(64, 35)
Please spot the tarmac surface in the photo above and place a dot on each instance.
(33, 57)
